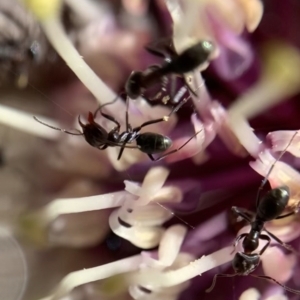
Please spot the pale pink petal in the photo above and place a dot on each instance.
(220, 117)
(194, 146)
(280, 139)
(286, 229)
(145, 237)
(250, 294)
(254, 11)
(170, 244)
(282, 270)
(236, 54)
(282, 174)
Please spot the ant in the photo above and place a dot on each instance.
(178, 64)
(148, 142)
(270, 207)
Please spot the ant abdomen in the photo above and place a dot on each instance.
(191, 58)
(152, 143)
(273, 203)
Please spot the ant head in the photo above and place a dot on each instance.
(133, 85)
(244, 264)
(94, 134)
(91, 121)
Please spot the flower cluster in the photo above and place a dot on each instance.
(115, 224)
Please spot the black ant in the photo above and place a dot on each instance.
(270, 207)
(178, 64)
(148, 142)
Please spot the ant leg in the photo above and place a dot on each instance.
(188, 86)
(271, 169)
(164, 119)
(238, 238)
(286, 215)
(243, 213)
(286, 246)
(297, 292)
(128, 126)
(175, 150)
(265, 238)
(215, 279)
(123, 147)
(295, 211)
(112, 119)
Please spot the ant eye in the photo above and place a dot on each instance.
(208, 46)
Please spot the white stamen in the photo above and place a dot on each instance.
(59, 40)
(157, 280)
(77, 278)
(23, 121)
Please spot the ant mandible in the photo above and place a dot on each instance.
(178, 64)
(148, 142)
(270, 207)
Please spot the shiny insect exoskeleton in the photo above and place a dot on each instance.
(148, 142)
(268, 208)
(174, 63)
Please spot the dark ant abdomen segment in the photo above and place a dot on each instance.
(244, 264)
(190, 59)
(95, 135)
(138, 81)
(152, 143)
(273, 203)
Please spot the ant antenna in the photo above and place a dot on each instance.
(297, 292)
(264, 181)
(108, 103)
(56, 128)
(215, 280)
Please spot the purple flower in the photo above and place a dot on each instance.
(86, 196)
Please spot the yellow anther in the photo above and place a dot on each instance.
(44, 9)
(166, 118)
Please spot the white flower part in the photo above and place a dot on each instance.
(254, 11)
(157, 280)
(140, 218)
(170, 244)
(191, 22)
(145, 237)
(153, 182)
(282, 174)
(282, 270)
(250, 294)
(244, 133)
(280, 139)
(23, 121)
(168, 256)
(81, 277)
(58, 207)
(277, 297)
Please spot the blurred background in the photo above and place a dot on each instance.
(111, 36)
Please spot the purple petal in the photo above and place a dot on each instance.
(236, 55)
